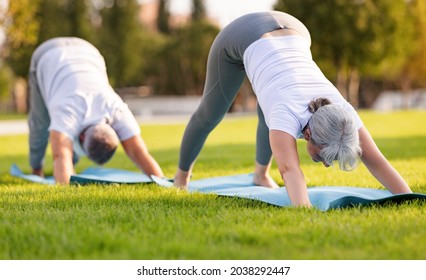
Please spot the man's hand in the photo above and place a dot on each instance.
(62, 152)
(137, 151)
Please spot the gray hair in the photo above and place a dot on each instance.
(333, 129)
(100, 142)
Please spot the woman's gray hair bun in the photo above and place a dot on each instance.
(334, 130)
(314, 105)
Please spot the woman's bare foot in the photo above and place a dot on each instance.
(181, 179)
(265, 181)
(262, 177)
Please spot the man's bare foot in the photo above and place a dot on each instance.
(265, 181)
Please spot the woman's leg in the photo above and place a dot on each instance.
(225, 74)
(263, 154)
(224, 77)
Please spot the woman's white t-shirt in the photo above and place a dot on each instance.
(285, 79)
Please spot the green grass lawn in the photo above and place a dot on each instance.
(149, 222)
(5, 117)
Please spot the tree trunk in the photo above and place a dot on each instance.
(353, 88)
(341, 82)
(20, 96)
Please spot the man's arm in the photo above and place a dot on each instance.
(379, 166)
(62, 152)
(137, 151)
(284, 149)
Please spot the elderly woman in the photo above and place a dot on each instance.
(73, 106)
(295, 100)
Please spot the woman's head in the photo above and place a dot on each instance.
(332, 135)
(99, 142)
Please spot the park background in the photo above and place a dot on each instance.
(158, 48)
(368, 49)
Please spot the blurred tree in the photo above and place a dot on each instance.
(163, 17)
(151, 50)
(183, 59)
(5, 83)
(81, 26)
(30, 22)
(120, 40)
(21, 32)
(53, 20)
(19, 24)
(415, 69)
(65, 18)
(357, 37)
(198, 10)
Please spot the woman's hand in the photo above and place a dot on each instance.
(379, 166)
(284, 149)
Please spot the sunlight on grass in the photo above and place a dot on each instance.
(144, 221)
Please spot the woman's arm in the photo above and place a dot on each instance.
(137, 151)
(379, 166)
(62, 150)
(284, 149)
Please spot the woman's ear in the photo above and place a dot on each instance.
(307, 134)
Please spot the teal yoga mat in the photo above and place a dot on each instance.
(16, 172)
(91, 175)
(323, 198)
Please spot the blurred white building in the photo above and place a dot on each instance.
(396, 100)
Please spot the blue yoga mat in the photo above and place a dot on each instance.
(323, 198)
(101, 175)
(16, 172)
(91, 175)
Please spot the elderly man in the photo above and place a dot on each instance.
(73, 105)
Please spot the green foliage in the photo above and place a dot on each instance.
(120, 38)
(198, 10)
(21, 34)
(20, 27)
(415, 67)
(73, 16)
(33, 22)
(373, 36)
(163, 17)
(5, 82)
(184, 59)
(352, 40)
(145, 221)
(80, 19)
(172, 62)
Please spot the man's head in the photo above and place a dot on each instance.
(99, 142)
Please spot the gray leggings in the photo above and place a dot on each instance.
(225, 74)
(38, 117)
